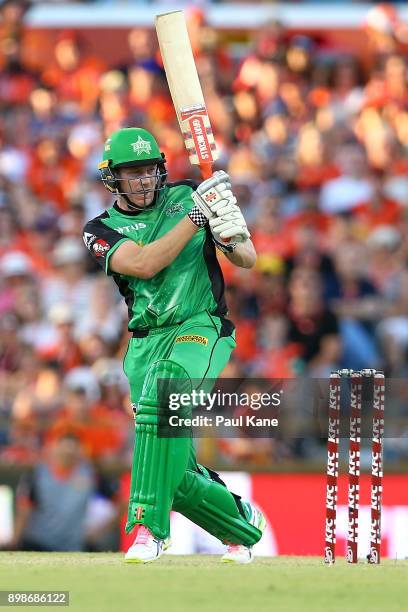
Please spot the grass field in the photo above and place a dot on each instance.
(291, 584)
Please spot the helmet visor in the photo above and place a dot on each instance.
(137, 181)
(140, 183)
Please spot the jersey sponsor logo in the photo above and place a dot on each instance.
(129, 228)
(141, 146)
(88, 239)
(100, 247)
(192, 338)
(176, 207)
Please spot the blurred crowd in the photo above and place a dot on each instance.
(315, 140)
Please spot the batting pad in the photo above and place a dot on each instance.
(159, 463)
(204, 499)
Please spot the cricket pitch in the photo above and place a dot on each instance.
(102, 581)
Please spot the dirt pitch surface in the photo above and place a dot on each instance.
(102, 582)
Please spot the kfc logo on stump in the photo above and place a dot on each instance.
(100, 247)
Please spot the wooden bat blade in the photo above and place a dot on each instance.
(185, 89)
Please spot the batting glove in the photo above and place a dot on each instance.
(229, 223)
(210, 192)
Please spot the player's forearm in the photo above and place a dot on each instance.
(244, 255)
(146, 261)
(160, 253)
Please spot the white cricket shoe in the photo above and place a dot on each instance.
(238, 553)
(146, 547)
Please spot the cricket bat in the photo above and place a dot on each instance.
(185, 89)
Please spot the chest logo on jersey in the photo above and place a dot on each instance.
(128, 228)
(174, 209)
(192, 338)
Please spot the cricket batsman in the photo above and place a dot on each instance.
(158, 241)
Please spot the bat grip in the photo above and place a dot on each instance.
(206, 170)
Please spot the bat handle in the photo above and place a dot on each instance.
(206, 170)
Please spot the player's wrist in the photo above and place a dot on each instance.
(197, 216)
(225, 247)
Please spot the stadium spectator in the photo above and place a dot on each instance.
(95, 424)
(351, 187)
(74, 74)
(69, 283)
(312, 327)
(53, 499)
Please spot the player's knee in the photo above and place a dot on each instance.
(165, 390)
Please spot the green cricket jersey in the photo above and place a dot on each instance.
(192, 283)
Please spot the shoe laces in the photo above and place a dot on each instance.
(143, 535)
